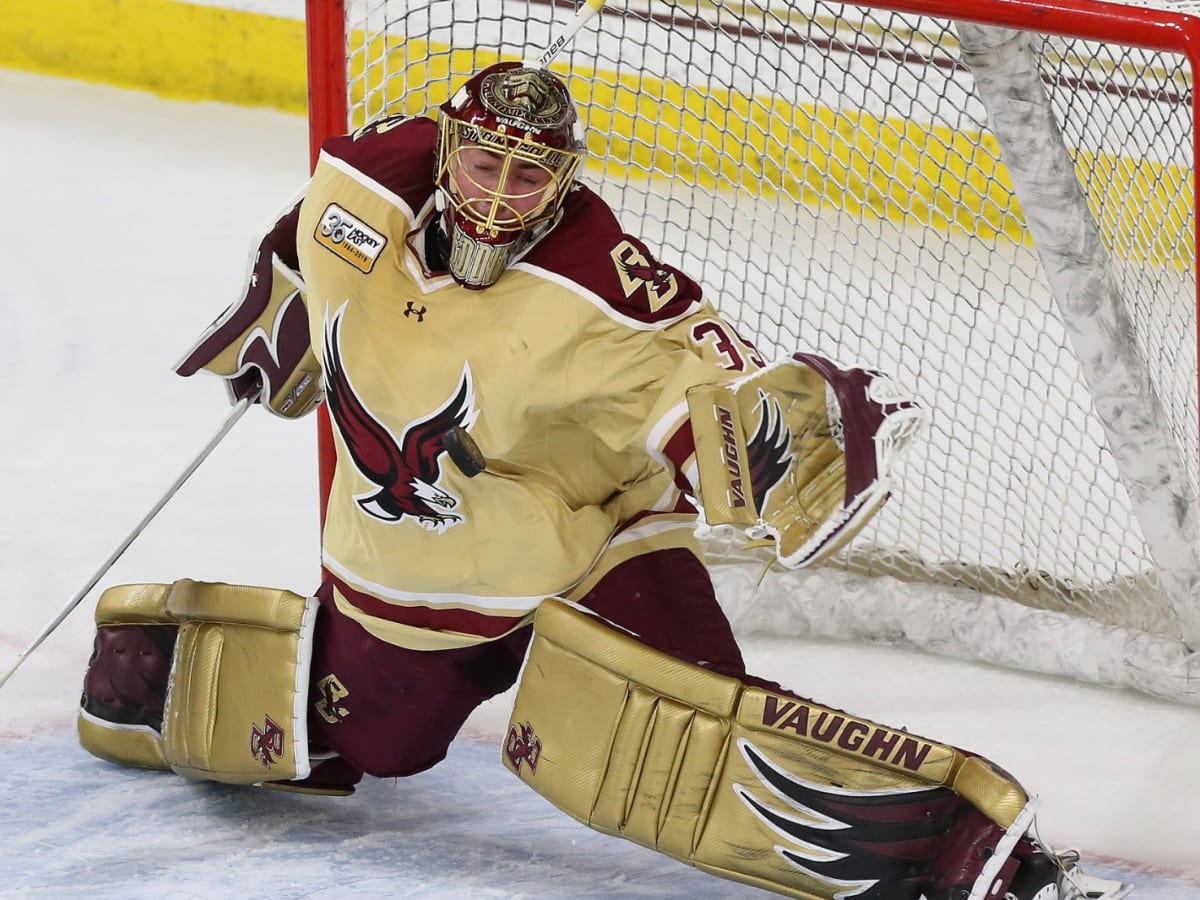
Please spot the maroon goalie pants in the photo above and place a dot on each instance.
(401, 708)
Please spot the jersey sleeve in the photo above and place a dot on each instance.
(396, 153)
(702, 348)
(664, 336)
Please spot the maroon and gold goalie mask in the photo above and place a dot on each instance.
(509, 143)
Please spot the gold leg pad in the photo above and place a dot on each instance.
(237, 707)
(674, 757)
(233, 662)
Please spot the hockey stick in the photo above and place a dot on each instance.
(236, 413)
(583, 15)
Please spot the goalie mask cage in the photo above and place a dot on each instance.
(1003, 219)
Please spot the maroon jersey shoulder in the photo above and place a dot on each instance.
(589, 248)
(397, 152)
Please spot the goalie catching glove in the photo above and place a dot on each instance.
(801, 452)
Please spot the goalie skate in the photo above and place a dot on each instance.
(1047, 877)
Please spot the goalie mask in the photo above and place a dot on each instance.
(509, 143)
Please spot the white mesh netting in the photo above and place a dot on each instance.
(827, 172)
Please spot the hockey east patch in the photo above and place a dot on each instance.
(350, 238)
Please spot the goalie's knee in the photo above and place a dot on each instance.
(209, 680)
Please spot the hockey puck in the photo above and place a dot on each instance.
(464, 452)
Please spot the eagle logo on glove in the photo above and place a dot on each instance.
(406, 471)
(768, 449)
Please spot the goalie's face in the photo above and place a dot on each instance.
(500, 191)
(509, 145)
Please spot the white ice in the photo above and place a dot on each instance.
(126, 222)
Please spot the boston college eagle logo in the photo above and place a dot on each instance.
(406, 471)
(636, 270)
(267, 743)
(523, 746)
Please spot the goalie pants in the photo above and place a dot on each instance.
(391, 711)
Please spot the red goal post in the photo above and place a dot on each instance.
(1003, 217)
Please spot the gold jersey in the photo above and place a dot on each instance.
(569, 374)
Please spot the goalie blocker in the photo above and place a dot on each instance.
(260, 345)
(761, 786)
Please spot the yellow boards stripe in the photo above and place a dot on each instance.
(178, 50)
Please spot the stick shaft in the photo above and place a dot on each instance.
(559, 39)
(230, 420)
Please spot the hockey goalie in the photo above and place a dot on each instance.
(529, 413)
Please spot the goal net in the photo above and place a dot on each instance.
(1004, 220)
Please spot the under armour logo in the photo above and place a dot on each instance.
(523, 746)
(266, 743)
(412, 310)
(332, 691)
